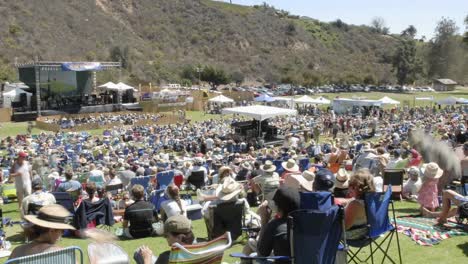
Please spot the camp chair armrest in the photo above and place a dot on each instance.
(218, 248)
(243, 256)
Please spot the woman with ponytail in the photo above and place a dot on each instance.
(173, 206)
(355, 213)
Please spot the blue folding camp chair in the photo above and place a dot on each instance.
(378, 224)
(279, 167)
(304, 164)
(314, 236)
(316, 200)
(164, 179)
(64, 199)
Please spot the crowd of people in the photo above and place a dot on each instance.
(344, 154)
(101, 120)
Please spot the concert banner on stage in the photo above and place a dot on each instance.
(81, 66)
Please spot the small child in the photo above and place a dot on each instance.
(428, 198)
(412, 186)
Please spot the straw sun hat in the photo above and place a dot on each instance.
(290, 165)
(228, 190)
(268, 166)
(52, 216)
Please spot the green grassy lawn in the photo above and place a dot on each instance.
(453, 250)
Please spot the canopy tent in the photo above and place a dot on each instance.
(109, 85)
(12, 86)
(323, 100)
(259, 112)
(451, 100)
(305, 100)
(221, 99)
(264, 98)
(341, 105)
(389, 101)
(424, 98)
(120, 87)
(15, 96)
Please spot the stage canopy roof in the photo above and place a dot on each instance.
(221, 99)
(117, 87)
(259, 112)
(388, 100)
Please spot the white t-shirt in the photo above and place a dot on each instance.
(25, 177)
(171, 207)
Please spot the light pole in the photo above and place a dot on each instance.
(199, 70)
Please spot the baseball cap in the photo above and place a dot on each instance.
(324, 180)
(177, 224)
(22, 154)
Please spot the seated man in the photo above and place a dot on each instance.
(139, 216)
(38, 198)
(69, 184)
(449, 197)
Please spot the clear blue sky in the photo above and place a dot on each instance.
(398, 14)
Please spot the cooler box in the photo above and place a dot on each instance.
(9, 190)
(194, 211)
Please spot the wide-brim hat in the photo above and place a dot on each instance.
(268, 166)
(228, 190)
(432, 171)
(342, 179)
(298, 182)
(308, 175)
(290, 165)
(246, 165)
(52, 216)
(224, 169)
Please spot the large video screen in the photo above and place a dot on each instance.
(65, 83)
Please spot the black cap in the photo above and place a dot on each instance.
(324, 180)
(287, 199)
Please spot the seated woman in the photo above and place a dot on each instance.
(46, 230)
(173, 206)
(450, 197)
(273, 236)
(91, 190)
(177, 229)
(355, 212)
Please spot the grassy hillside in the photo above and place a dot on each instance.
(156, 38)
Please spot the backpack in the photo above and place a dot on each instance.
(462, 213)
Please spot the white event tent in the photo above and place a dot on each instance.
(14, 96)
(451, 100)
(323, 100)
(221, 99)
(259, 112)
(388, 101)
(305, 100)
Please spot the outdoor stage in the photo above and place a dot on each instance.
(32, 115)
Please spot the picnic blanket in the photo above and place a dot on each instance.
(426, 232)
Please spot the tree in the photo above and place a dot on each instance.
(410, 31)
(121, 54)
(214, 77)
(443, 49)
(237, 77)
(378, 26)
(406, 64)
(466, 30)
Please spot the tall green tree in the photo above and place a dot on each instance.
(214, 77)
(406, 65)
(466, 30)
(443, 50)
(410, 32)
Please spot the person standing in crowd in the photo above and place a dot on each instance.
(22, 174)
